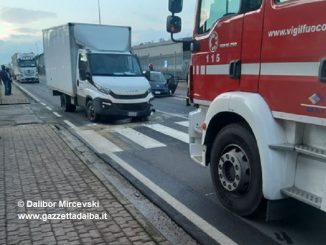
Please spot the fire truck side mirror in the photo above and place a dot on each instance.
(173, 24)
(175, 6)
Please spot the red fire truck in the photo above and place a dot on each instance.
(258, 78)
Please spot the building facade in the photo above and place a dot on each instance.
(165, 56)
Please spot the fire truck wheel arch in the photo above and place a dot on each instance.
(253, 110)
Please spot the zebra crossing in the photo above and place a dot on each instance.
(139, 138)
(108, 142)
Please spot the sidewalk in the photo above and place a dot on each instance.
(44, 185)
(17, 96)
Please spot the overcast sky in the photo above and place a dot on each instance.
(22, 21)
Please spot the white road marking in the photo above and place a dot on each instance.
(98, 142)
(27, 92)
(49, 108)
(210, 194)
(139, 138)
(202, 224)
(183, 123)
(70, 124)
(91, 124)
(173, 114)
(169, 131)
(43, 104)
(57, 114)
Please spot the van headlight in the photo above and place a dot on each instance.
(102, 89)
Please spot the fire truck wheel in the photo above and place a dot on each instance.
(236, 170)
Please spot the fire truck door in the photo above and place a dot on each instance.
(217, 60)
(294, 39)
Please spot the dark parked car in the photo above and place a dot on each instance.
(158, 83)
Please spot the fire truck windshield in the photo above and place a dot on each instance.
(212, 10)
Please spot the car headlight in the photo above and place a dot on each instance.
(102, 89)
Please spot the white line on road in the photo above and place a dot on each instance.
(169, 131)
(100, 143)
(43, 104)
(183, 123)
(91, 124)
(57, 114)
(49, 108)
(177, 205)
(70, 124)
(173, 114)
(27, 92)
(139, 138)
(210, 194)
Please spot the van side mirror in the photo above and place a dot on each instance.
(175, 6)
(173, 24)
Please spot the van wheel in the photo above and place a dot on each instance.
(236, 170)
(90, 112)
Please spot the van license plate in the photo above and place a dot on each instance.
(157, 92)
(132, 114)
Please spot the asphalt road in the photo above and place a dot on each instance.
(154, 157)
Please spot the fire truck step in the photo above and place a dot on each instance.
(303, 196)
(301, 149)
(283, 147)
(198, 159)
(311, 151)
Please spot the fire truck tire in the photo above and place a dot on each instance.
(236, 170)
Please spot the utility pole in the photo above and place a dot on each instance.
(99, 12)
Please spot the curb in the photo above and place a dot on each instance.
(26, 92)
(148, 227)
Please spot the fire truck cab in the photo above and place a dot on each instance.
(258, 78)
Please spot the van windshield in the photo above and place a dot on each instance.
(157, 77)
(114, 65)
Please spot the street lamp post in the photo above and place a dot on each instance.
(99, 12)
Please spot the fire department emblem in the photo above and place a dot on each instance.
(213, 41)
(315, 99)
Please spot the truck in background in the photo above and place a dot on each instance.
(92, 66)
(24, 68)
(258, 78)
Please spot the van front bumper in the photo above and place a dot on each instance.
(106, 107)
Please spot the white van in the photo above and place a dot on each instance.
(92, 66)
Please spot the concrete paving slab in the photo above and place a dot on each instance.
(17, 97)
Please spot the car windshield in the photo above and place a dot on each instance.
(158, 78)
(114, 65)
(27, 63)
